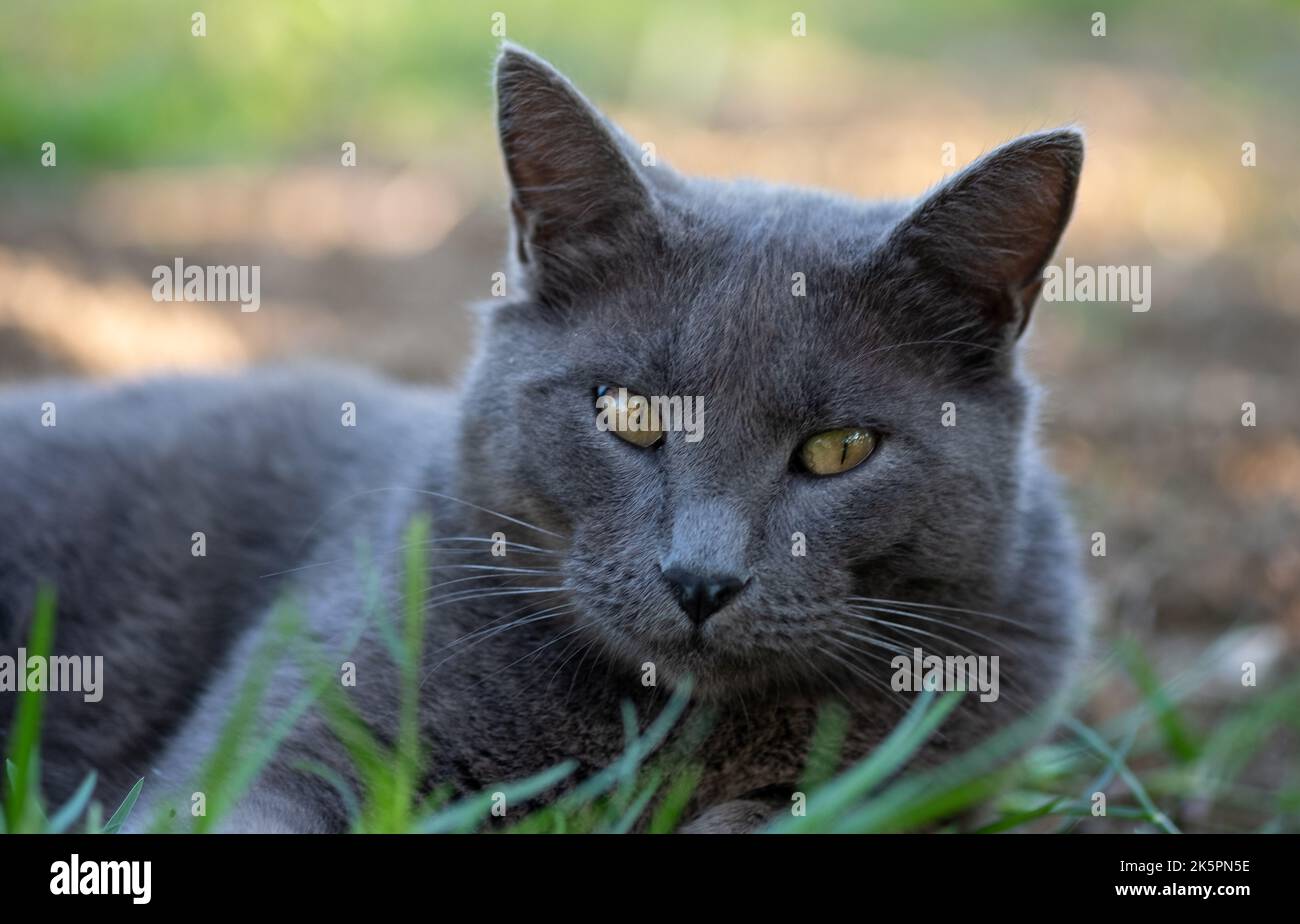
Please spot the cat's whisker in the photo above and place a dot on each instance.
(490, 631)
(952, 609)
(586, 651)
(472, 551)
(856, 669)
(306, 567)
(510, 544)
(862, 612)
(508, 569)
(564, 656)
(536, 651)
(515, 547)
(891, 695)
(500, 620)
(1008, 681)
(331, 508)
(821, 673)
(474, 595)
(476, 577)
(495, 513)
(396, 593)
(858, 651)
(530, 619)
(964, 343)
(576, 646)
(877, 641)
(469, 593)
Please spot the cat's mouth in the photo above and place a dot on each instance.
(720, 651)
(707, 655)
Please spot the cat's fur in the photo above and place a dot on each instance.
(622, 274)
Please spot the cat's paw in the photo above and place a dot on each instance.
(739, 816)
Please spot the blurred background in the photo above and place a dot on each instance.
(225, 149)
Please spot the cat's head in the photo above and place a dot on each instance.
(865, 422)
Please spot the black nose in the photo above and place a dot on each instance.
(702, 595)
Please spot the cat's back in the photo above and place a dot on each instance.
(161, 511)
(236, 458)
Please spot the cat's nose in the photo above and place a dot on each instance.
(702, 595)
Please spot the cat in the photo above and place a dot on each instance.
(868, 482)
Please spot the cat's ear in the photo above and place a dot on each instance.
(577, 200)
(990, 230)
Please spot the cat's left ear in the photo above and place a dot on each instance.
(579, 204)
(990, 230)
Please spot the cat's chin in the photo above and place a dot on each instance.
(723, 683)
(713, 672)
(716, 663)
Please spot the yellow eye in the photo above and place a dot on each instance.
(629, 417)
(836, 451)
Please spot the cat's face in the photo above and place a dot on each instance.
(860, 417)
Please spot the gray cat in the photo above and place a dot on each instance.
(867, 483)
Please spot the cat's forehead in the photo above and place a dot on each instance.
(759, 289)
(752, 268)
(747, 253)
(776, 222)
(746, 348)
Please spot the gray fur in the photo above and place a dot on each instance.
(624, 275)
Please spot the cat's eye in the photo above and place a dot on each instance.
(836, 451)
(627, 416)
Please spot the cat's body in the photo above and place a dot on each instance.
(625, 275)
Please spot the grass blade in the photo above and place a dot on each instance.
(834, 799)
(22, 805)
(123, 812)
(469, 813)
(1095, 741)
(61, 820)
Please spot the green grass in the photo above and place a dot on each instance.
(23, 809)
(1155, 761)
(124, 83)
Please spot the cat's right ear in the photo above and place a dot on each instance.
(991, 229)
(577, 201)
